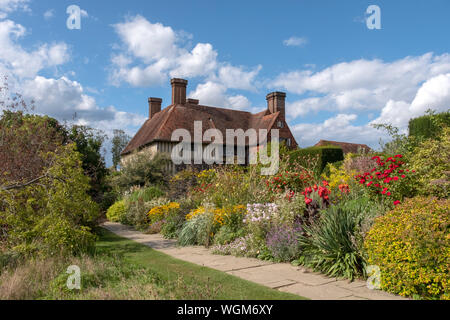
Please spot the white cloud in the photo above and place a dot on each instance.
(49, 14)
(360, 85)
(147, 41)
(236, 78)
(9, 6)
(63, 98)
(214, 94)
(433, 94)
(150, 53)
(295, 41)
(200, 62)
(26, 64)
(338, 128)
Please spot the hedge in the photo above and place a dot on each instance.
(327, 154)
(429, 126)
(411, 246)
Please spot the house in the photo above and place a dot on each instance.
(155, 135)
(346, 147)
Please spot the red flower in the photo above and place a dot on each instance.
(396, 203)
(403, 176)
(325, 183)
(308, 201)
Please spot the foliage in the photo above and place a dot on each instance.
(145, 194)
(199, 230)
(227, 234)
(141, 169)
(399, 143)
(358, 163)
(260, 218)
(283, 242)
(119, 142)
(181, 183)
(24, 139)
(390, 182)
(290, 208)
(89, 143)
(431, 161)
(411, 245)
(429, 126)
(246, 246)
(339, 176)
(334, 244)
(289, 180)
(54, 215)
(158, 213)
(325, 155)
(232, 185)
(317, 198)
(117, 211)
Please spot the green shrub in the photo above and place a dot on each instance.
(227, 234)
(173, 222)
(411, 245)
(145, 194)
(55, 215)
(141, 169)
(137, 211)
(198, 231)
(431, 161)
(429, 126)
(325, 155)
(333, 245)
(116, 212)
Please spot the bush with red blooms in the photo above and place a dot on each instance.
(344, 188)
(389, 182)
(316, 199)
(290, 180)
(203, 188)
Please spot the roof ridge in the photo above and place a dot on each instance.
(221, 108)
(162, 124)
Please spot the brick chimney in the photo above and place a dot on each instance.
(179, 91)
(276, 102)
(154, 106)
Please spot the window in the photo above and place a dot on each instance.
(280, 124)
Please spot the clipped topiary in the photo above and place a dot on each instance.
(324, 155)
(411, 246)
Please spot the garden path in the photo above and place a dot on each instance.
(279, 276)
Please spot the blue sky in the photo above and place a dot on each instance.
(339, 76)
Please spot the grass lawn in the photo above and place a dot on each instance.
(183, 279)
(121, 269)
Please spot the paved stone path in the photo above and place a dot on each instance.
(280, 276)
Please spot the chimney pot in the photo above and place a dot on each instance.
(193, 101)
(276, 102)
(179, 91)
(154, 106)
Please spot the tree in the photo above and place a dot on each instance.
(25, 139)
(53, 214)
(119, 142)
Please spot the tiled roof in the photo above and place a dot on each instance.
(162, 125)
(346, 147)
